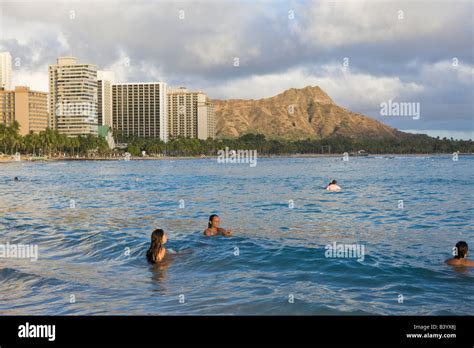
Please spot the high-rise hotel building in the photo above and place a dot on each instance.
(140, 110)
(104, 97)
(73, 97)
(190, 114)
(5, 70)
(29, 108)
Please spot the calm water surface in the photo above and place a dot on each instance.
(95, 251)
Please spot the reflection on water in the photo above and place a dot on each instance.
(159, 270)
(92, 223)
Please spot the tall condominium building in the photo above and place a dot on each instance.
(206, 120)
(5, 70)
(104, 97)
(190, 114)
(140, 110)
(7, 107)
(29, 108)
(73, 97)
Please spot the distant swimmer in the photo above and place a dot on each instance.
(157, 251)
(333, 186)
(16, 178)
(213, 228)
(460, 254)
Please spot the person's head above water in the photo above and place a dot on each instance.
(213, 228)
(461, 250)
(334, 182)
(156, 251)
(214, 221)
(16, 178)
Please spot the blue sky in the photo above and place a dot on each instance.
(362, 53)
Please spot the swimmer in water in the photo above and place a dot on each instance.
(213, 228)
(16, 178)
(157, 251)
(333, 186)
(459, 259)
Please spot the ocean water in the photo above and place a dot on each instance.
(92, 223)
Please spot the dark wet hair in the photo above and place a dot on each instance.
(334, 182)
(16, 178)
(209, 224)
(461, 248)
(156, 245)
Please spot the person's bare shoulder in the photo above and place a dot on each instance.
(451, 262)
(462, 263)
(469, 263)
(209, 233)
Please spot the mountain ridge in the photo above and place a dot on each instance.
(297, 113)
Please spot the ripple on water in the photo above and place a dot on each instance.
(97, 249)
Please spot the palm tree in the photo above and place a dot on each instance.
(12, 138)
(28, 141)
(3, 137)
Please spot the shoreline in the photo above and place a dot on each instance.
(164, 158)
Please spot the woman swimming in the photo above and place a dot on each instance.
(333, 186)
(157, 251)
(213, 228)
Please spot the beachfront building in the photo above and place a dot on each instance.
(140, 110)
(73, 97)
(104, 97)
(190, 114)
(206, 120)
(7, 107)
(29, 108)
(5, 70)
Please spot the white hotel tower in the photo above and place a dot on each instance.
(140, 109)
(73, 97)
(105, 80)
(6, 70)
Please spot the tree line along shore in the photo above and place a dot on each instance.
(51, 144)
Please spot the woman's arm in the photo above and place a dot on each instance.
(224, 232)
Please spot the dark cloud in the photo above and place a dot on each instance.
(199, 50)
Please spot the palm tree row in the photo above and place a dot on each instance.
(193, 147)
(50, 142)
(47, 142)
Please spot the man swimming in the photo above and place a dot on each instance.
(213, 228)
(460, 254)
(332, 186)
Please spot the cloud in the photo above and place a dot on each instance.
(407, 58)
(351, 89)
(329, 23)
(463, 135)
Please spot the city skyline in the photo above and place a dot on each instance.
(360, 55)
(83, 99)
